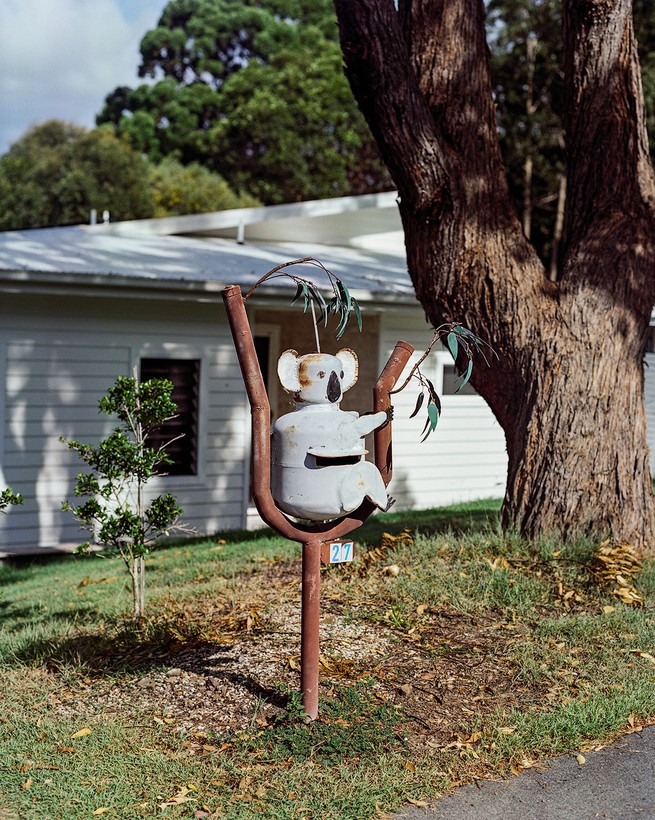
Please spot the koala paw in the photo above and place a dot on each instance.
(389, 412)
(390, 502)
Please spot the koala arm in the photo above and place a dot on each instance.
(366, 424)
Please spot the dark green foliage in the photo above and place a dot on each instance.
(289, 130)
(191, 189)
(56, 173)
(9, 498)
(254, 91)
(121, 465)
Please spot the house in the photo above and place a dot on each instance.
(81, 305)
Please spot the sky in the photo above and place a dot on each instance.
(60, 58)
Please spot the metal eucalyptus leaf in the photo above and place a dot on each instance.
(464, 378)
(419, 404)
(453, 344)
(433, 415)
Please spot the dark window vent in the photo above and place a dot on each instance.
(180, 434)
(451, 383)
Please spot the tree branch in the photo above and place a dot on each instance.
(610, 178)
(387, 91)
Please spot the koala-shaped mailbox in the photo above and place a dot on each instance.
(318, 471)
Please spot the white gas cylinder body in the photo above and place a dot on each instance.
(318, 470)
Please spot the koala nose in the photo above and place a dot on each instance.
(333, 388)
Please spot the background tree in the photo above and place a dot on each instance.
(178, 189)
(568, 390)
(527, 73)
(242, 87)
(57, 172)
(287, 132)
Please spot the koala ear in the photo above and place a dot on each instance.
(287, 370)
(348, 359)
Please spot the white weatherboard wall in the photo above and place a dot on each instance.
(62, 353)
(465, 458)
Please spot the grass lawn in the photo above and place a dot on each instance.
(450, 652)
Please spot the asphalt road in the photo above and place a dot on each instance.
(615, 783)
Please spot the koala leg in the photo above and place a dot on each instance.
(363, 481)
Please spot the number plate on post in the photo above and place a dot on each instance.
(337, 552)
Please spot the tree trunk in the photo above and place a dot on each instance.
(568, 387)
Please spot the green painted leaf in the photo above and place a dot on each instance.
(343, 322)
(465, 376)
(345, 293)
(305, 293)
(358, 314)
(434, 398)
(426, 427)
(453, 344)
(433, 415)
(318, 298)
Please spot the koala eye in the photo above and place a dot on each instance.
(342, 374)
(321, 374)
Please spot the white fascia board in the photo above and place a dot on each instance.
(330, 221)
(108, 285)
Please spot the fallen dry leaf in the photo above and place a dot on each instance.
(381, 814)
(581, 759)
(420, 803)
(101, 810)
(82, 733)
(182, 796)
(26, 783)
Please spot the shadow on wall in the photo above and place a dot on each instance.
(52, 390)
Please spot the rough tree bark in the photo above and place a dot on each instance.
(568, 388)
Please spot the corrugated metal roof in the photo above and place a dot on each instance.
(85, 254)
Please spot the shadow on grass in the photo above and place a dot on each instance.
(458, 518)
(127, 649)
(123, 647)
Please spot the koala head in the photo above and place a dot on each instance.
(317, 378)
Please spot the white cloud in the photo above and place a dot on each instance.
(60, 58)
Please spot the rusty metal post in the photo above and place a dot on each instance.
(381, 400)
(310, 626)
(275, 518)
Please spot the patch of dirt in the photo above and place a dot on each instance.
(230, 675)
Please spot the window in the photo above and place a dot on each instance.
(451, 383)
(180, 434)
